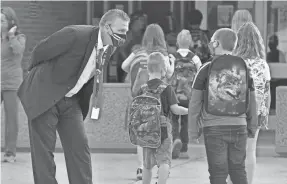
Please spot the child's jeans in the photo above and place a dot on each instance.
(226, 153)
(181, 133)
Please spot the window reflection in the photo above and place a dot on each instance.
(277, 41)
(277, 31)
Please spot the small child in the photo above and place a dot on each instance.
(275, 55)
(225, 136)
(160, 156)
(187, 60)
(139, 53)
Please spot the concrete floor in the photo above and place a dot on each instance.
(120, 169)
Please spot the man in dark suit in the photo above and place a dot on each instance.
(56, 93)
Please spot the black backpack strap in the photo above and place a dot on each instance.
(177, 55)
(161, 87)
(190, 55)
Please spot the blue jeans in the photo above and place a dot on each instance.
(181, 134)
(226, 153)
(11, 109)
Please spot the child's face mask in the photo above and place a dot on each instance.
(212, 46)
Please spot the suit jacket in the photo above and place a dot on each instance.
(57, 62)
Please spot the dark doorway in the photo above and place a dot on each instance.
(155, 10)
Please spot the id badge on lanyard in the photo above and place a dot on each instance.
(98, 101)
(99, 68)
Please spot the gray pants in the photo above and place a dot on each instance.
(11, 106)
(66, 118)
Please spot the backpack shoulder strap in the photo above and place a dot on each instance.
(190, 55)
(177, 55)
(162, 87)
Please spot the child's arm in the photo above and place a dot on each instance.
(268, 98)
(252, 118)
(178, 110)
(197, 62)
(196, 100)
(127, 63)
(195, 108)
(267, 85)
(281, 57)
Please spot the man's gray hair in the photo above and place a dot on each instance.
(111, 15)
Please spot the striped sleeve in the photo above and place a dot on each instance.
(200, 77)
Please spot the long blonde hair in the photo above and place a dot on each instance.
(239, 18)
(154, 40)
(250, 43)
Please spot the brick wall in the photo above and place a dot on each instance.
(39, 19)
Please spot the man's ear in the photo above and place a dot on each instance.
(108, 29)
(215, 44)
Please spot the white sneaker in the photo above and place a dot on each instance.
(9, 158)
(177, 145)
(139, 174)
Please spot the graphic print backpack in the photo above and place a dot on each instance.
(200, 47)
(138, 72)
(146, 111)
(227, 92)
(183, 76)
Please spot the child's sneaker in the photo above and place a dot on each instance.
(139, 174)
(177, 144)
(183, 155)
(9, 158)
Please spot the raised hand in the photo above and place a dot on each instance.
(12, 31)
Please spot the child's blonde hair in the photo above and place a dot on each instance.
(184, 39)
(156, 63)
(239, 18)
(250, 42)
(154, 39)
(226, 37)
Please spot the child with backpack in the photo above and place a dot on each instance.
(223, 100)
(149, 125)
(186, 66)
(200, 37)
(136, 67)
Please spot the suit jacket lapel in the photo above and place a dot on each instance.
(91, 44)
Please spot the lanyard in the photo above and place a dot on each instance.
(101, 57)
